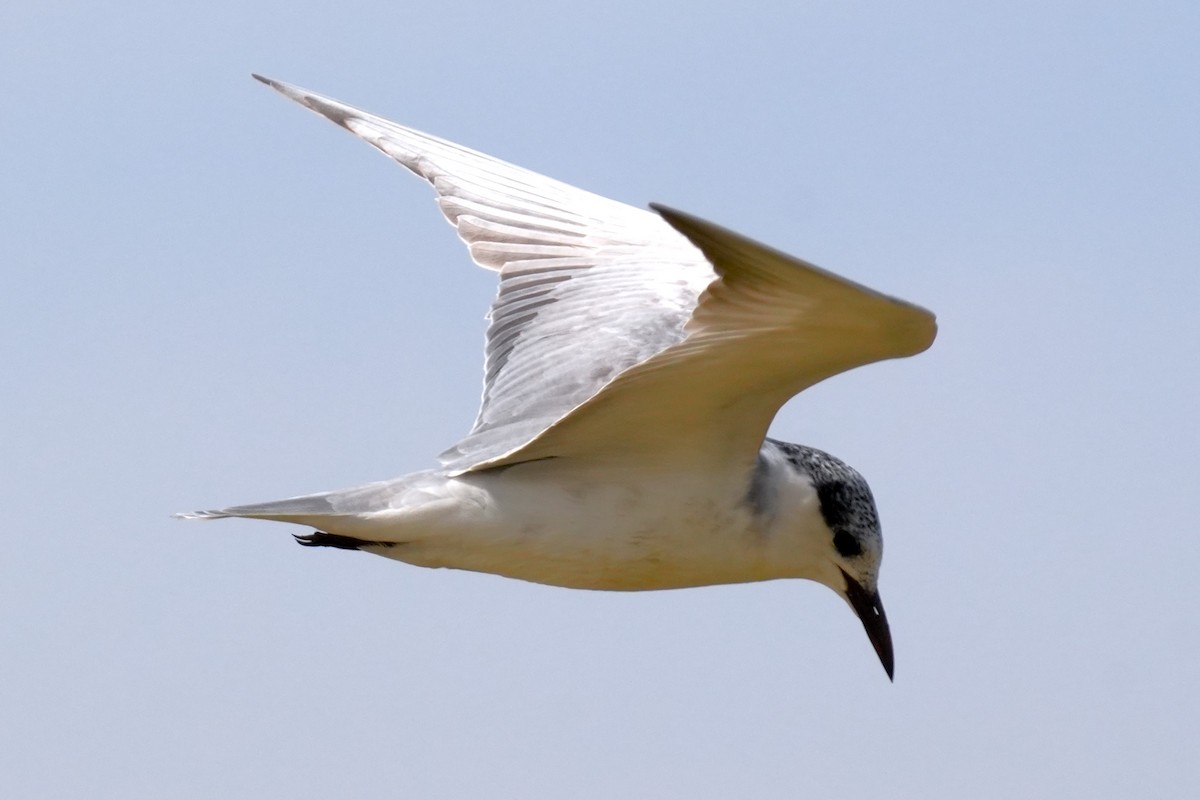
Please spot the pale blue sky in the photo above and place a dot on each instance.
(212, 296)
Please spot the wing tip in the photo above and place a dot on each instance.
(332, 110)
(922, 326)
(914, 325)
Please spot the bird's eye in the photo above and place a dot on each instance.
(846, 544)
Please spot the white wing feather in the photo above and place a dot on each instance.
(616, 333)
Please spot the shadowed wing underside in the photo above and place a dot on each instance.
(618, 332)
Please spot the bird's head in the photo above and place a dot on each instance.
(850, 545)
(856, 545)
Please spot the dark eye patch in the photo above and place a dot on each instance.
(839, 504)
(834, 497)
(846, 544)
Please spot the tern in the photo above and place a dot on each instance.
(634, 362)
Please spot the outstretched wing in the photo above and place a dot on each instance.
(589, 287)
(769, 327)
(617, 334)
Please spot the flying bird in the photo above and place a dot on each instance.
(634, 362)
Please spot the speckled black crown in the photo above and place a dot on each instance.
(847, 504)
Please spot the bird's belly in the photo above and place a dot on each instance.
(626, 535)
